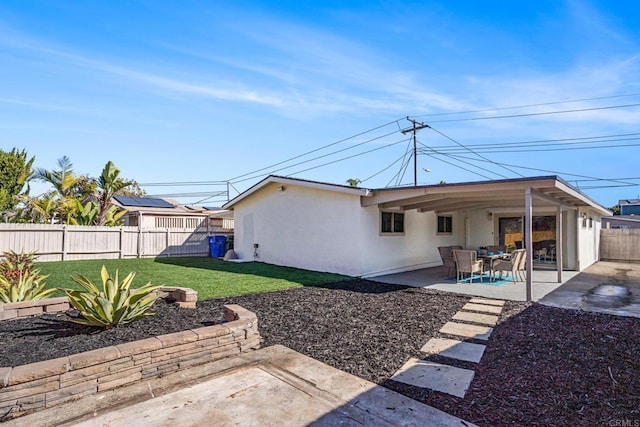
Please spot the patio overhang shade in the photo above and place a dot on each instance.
(548, 192)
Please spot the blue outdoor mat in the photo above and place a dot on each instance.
(485, 280)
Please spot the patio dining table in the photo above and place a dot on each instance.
(490, 259)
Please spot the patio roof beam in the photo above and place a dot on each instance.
(556, 201)
(412, 200)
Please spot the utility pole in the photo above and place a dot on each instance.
(416, 126)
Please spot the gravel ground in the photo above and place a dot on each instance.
(543, 365)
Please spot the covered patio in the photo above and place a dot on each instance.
(480, 206)
(543, 282)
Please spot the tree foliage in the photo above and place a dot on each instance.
(15, 171)
(79, 199)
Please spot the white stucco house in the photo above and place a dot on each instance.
(368, 232)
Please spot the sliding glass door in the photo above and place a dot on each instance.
(511, 234)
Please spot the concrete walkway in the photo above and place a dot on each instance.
(274, 386)
(574, 293)
(443, 377)
(544, 281)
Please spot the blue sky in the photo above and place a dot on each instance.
(200, 91)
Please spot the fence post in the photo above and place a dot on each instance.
(139, 234)
(121, 242)
(64, 242)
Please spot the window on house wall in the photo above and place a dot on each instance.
(590, 222)
(584, 221)
(445, 224)
(392, 222)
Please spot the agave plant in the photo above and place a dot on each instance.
(28, 287)
(112, 305)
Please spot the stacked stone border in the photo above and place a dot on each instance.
(32, 387)
(183, 297)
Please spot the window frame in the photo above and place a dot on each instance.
(448, 220)
(394, 215)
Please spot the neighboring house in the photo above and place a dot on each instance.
(629, 206)
(150, 212)
(621, 221)
(368, 232)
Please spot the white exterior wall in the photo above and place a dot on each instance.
(325, 230)
(330, 231)
(589, 240)
(416, 248)
(301, 227)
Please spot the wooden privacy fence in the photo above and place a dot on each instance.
(620, 244)
(73, 242)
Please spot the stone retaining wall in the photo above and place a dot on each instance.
(40, 385)
(183, 297)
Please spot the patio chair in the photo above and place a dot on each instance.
(541, 254)
(467, 262)
(509, 265)
(448, 262)
(522, 265)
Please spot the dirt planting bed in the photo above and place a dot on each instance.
(543, 366)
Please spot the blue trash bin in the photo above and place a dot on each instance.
(216, 245)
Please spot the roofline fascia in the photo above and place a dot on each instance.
(356, 191)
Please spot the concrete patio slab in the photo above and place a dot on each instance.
(498, 302)
(268, 387)
(573, 294)
(454, 349)
(468, 331)
(485, 319)
(483, 308)
(435, 376)
(544, 281)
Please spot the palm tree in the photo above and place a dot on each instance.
(65, 184)
(62, 180)
(109, 184)
(353, 182)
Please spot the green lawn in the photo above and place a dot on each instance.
(212, 278)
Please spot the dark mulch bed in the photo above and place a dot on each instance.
(543, 366)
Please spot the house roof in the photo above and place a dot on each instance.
(629, 202)
(283, 180)
(549, 191)
(142, 202)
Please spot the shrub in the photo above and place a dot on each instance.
(14, 265)
(112, 305)
(26, 288)
(19, 280)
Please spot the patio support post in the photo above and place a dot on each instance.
(528, 238)
(559, 243)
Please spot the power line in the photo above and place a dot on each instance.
(461, 167)
(530, 105)
(474, 152)
(349, 157)
(531, 150)
(314, 151)
(511, 116)
(545, 142)
(590, 178)
(318, 157)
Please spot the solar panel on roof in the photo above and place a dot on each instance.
(145, 202)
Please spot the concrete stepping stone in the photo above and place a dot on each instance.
(467, 331)
(483, 308)
(497, 302)
(435, 376)
(485, 319)
(454, 349)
